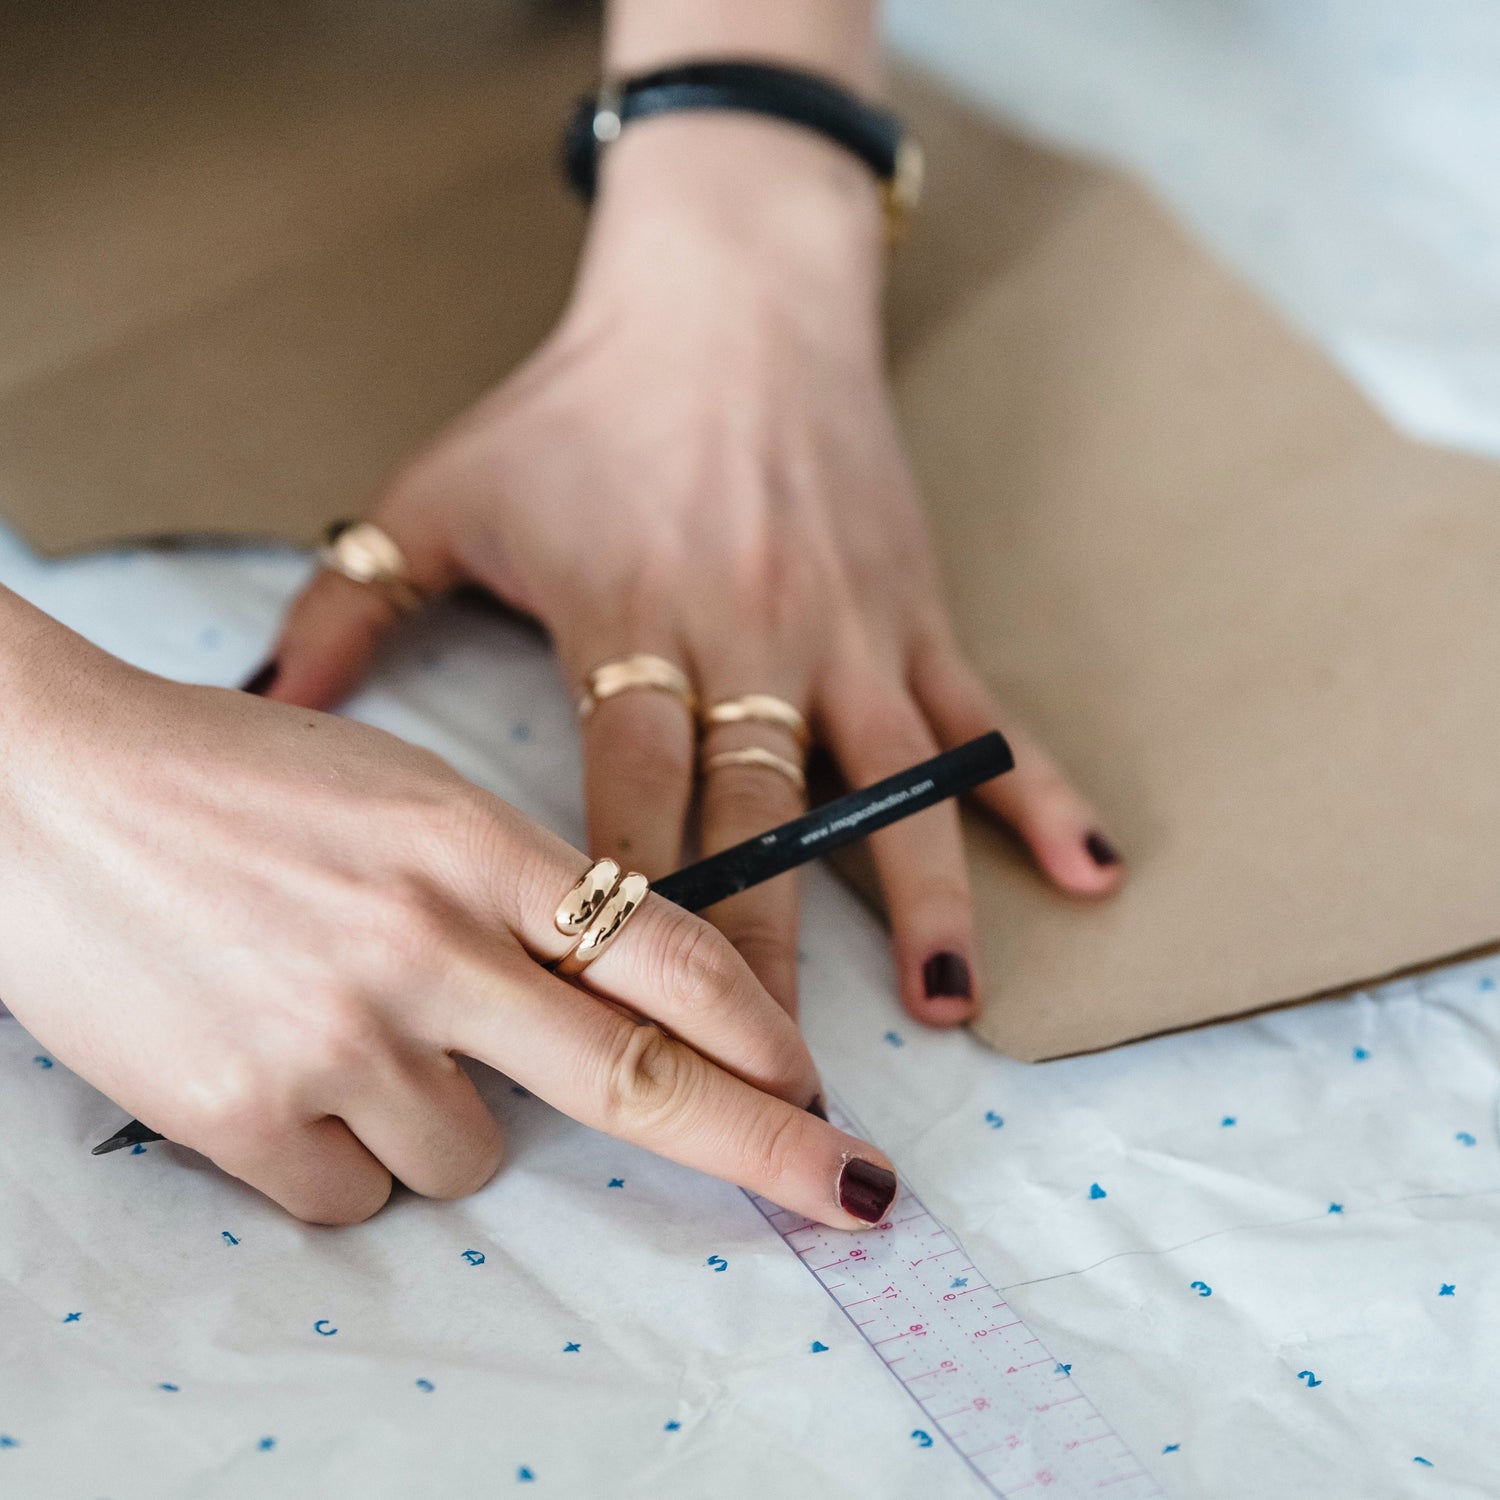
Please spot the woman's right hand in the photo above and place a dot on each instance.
(267, 932)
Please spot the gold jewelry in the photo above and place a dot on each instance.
(642, 670)
(616, 910)
(581, 905)
(366, 554)
(760, 708)
(754, 755)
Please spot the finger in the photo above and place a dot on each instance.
(317, 1170)
(426, 1122)
(637, 1083)
(875, 730)
(1036, 799)
(675, 969)
(335, 629)
(638, 775)
(738, 801)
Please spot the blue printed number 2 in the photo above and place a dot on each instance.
(1309, 1377)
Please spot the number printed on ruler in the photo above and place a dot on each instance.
(985, 1381)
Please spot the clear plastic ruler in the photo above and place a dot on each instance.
(983, 1380)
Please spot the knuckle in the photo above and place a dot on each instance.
(226, 1103)
(337, 1034)
(647, 1081)
(698, 966)
(772, 1145)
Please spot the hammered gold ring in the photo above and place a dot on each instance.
(364, 553)
(642, 670)
(594, 911)
(754, 755)
(760, 708)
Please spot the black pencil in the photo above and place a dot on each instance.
(846, 819)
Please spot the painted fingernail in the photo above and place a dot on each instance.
(817, 1107)
(1101, 851)
(261, 682)
(865, 1190)
(947, 974)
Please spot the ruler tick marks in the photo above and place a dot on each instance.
(1008, 1430)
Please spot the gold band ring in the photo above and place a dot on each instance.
(364, 553)
(641, 670)
(760, 708)
(754, 755)
(595, 910)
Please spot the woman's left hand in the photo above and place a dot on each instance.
(701, 463)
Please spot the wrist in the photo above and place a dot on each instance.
(743, 199)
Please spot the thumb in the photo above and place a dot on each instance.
(334, 631)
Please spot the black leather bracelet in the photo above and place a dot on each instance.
(874, 135)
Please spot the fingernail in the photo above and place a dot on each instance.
(261, 682)
(817, 1107)
(1101, 851)
(947, 974)
(865, 1190)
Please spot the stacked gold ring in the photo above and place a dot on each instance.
(759, 708)
(594, 912)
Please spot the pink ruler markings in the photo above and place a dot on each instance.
(985, 1382)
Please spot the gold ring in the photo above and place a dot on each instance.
(754, 755)
(364, 553)
(639, 671)
(597, 907)
(760, 708)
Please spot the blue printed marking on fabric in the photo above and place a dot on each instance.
(1095, 1191)
(1309, 1377)
(228, 1238)
(618, 1182)
(266, 1444)
(524, 1475)
(673, 1426)
(1465, 1139)
(959, 1281)
(923, 1439)
(324, 1327)
(894, 1038)
(1228, 1120)
(818, 1347)
(1062, 1369)
(167, 1385)
(1447, 1289)
(474, 1257)
(1425, 1462)
(42, 1062)
(1335, 1208)
(993, 1120)
(571, 1348)
(1172, 1448)
(1202, 1288)
(717, 1263)
(1360, 1054)
(73, 1317)
(425, 1385)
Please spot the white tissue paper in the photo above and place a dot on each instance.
(1265, 1250)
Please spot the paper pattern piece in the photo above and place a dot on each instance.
(1264, 1250)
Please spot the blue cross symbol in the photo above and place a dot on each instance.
(960, 1281)
(571, 1348)
(1335, 1208)
(1446, 1290)
(72, 1317)
(617, 1182)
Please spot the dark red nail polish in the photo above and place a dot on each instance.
(817, 1107)
(1101, 851)
(865, 1190)
(947, 974)
(261, 682)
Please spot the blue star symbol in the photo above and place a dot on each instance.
(72, 1317)
(571, 1348)
(1335, 1208)
(1446, 1290)
(960, 1281)
(673, 1426)
(617, 1182)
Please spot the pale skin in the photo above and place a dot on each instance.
(270, 933)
